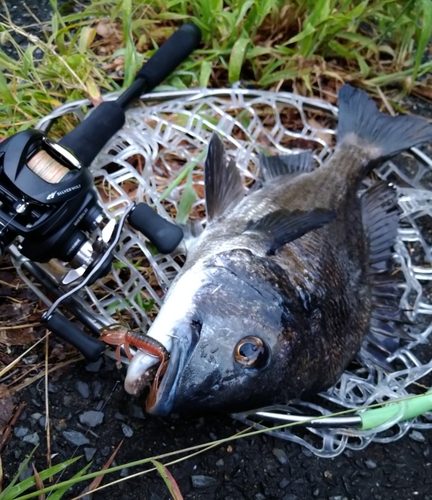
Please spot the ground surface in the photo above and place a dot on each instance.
(246, 469)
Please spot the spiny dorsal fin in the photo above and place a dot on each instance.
(223, 184)
(283, 226)
(380, 220)
(294, 164)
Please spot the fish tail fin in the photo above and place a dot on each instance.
(362, 124)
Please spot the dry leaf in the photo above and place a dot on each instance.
(324, 136)
(104, 29)
(6, 407)
(22, 336)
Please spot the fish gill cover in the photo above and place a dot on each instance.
(157, 158)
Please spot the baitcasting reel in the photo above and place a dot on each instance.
(48, 202)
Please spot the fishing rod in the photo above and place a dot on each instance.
(49, 206)
(393, 411)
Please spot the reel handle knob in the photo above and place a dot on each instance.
(90, 347)
(163, 234)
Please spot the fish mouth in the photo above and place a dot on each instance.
(161, 399)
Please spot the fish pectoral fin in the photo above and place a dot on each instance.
(283, 226)
(223, 184)
(278, 165)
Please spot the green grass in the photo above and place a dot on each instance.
(312, 44)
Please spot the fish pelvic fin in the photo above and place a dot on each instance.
(223, 184)
(382, 136)
(282, 226)
(278, 165)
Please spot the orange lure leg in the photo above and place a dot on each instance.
(119, 335)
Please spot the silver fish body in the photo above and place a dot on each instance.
(278, 293)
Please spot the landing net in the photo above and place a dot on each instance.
(159, 154)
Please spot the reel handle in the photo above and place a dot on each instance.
(90, 347)
(163, 234)
(89, 137)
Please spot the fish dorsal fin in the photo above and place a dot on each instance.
(277, 165)
(223, 184)
(283, 226)
(380, 220)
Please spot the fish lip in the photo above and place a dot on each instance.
(184, 343)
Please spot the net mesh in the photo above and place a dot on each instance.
(163, 144)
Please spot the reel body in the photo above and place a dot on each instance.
(49, 205)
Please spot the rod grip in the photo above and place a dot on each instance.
(173, 52)
(90, 136)
(90, 347)
(163, 234)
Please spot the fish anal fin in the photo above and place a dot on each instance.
(380, 219)
(278, 165)
(223, 184)
(282, 226)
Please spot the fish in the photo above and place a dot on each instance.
(285, 283)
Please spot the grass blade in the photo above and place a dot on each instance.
(236, 59)
(187, 200)
(168, 480)
(425, 35)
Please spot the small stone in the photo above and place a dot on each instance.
(95, 366)
(67, 401)
(32, 438)
(105, 451)
(370, 464)
(53, 389)
(23, 415)
(83, 389)
(127, 431)
(259, 496)
(201, 482)
(20, 432)
(36, 416)
(213, 436)
(316, 493)
(417, 436)
(290, 496)
(338, 497)
(280, 455)
(91, 418)
(125, 472)
(119, 416)
(89, 453)
(97, 388)
(135, 411)
(220, 463)
(26, 473)
(307, 453)
(76, 438)
(284, 483)
(42, 422)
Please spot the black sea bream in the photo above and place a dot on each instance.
(279, 291)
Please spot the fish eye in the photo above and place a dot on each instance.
(251, 352)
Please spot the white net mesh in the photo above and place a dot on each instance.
(151, 158)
